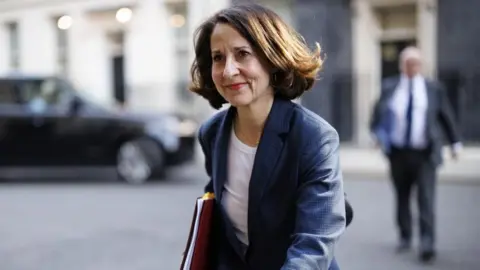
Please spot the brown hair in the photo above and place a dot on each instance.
(294, 65)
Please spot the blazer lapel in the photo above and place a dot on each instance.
(387, 113)
(267, 155)
(385, 116)
(220, 175)
(389, 91)
(220, 155)
(266, 158)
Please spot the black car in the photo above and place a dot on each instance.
(44, 121)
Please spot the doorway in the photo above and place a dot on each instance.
(390, 56)
(117, 65)
(118, 79)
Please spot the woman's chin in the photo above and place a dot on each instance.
(239, 101)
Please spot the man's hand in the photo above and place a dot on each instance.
(455, 156)
(455, 151)
(375, 142)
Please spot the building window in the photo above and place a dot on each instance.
(14, 45)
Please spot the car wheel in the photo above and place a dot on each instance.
(138, 160)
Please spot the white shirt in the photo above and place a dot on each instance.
(235, 195)
(399, 103)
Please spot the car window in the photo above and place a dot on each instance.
(46, 90)
(9, 94)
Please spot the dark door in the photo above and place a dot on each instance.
(464, 96)
(119, 79)
(470, 109)
(342, 113)
(390, 56)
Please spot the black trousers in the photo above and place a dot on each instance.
(413, 168)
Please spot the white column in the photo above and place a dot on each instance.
(427, 35)
(366, 67)
(37, 38)
(198, 11)
(89, 66)
(150, 58)
(4, 48)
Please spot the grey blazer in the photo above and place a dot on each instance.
(439, 116)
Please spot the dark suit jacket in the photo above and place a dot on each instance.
(439, 117)
(296, 208)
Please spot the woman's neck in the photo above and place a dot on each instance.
(250, 120)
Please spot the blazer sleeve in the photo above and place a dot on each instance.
(446, 117)
(320, 218)
(206, 149)
(375, 116)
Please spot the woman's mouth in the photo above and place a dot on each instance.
(236, 86)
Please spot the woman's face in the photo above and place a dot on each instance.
(237, 72)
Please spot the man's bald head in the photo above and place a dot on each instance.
(410, 61)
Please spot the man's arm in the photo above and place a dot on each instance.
(446, 119)
(379, 122)
(320, 204)
(376, 116)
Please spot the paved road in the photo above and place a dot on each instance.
(103, 225)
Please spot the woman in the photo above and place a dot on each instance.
(273, 164)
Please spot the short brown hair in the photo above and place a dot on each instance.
(294, 65)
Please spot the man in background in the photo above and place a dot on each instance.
(407, 122)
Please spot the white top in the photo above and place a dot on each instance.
(399, 104)
(235, 194)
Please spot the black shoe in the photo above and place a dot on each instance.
(403, 246)
(427, 256)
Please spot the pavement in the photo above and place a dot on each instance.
(370, 163)
(95, 223)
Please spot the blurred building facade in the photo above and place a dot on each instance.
(132, 52)
(138, 52)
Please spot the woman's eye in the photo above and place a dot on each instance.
(243, 53)
(217, 58)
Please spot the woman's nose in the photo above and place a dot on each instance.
(231, 69)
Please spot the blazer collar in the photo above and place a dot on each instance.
(278, 123)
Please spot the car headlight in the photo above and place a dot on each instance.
(187, 128)
(165, 130)
(170, 124)
(182, 128)
(169, 130)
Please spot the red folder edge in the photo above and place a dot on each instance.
(201, 253)
(202, 249)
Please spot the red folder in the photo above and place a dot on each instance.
(198, 252)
